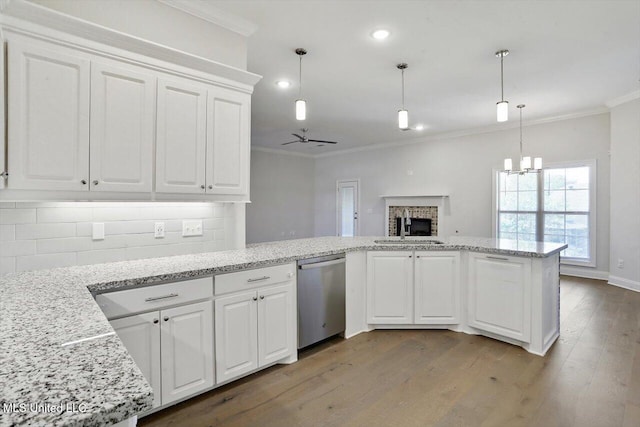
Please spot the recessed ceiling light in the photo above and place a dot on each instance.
(380, 34)
(283, 84)
(420, 127)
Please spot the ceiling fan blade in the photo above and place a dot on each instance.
(297, 136)
(324, 142)
(287, 143)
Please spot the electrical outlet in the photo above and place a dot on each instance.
(620, 263)
(158, 231)
(192, 227)
(97, 232)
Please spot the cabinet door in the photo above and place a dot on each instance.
(3, 165)
(48, 110)
(390, 287)
(500, 295)
(187, 350)
(181, 137)
(236, 335)
(437, 287)
(276, 317)
(228, 142)
(122, 128)
(140, 334)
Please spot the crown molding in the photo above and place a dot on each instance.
(623, 99)
(281, 151)
(469, 132)
(34, 20)
(210, 13)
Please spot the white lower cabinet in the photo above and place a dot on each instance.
(390, 287)
(254, 328)
(408, 288)
(499, 295)
(437, 287)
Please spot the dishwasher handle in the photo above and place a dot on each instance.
(321, 264)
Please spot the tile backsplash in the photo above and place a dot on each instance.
(37, 236)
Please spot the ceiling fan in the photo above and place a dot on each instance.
(303, 138)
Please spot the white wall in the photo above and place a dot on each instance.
(162, 24)
(282, 197)
(36, 236)
(625, 196)
(462, 168)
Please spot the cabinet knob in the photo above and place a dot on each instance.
(255, 298)
(211, 187)
(166, 318)
(83, 182)
(261, 296)
(202, 186)
(96, 182)
(155, 320)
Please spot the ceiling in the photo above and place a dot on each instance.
(565, 57)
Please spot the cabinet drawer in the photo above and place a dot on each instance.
(123, 303)
(249, 279)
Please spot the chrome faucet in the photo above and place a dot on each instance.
(404, 221)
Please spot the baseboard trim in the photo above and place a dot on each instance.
(621, 282)
(587, 273)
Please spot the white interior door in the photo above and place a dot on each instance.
(348, 204)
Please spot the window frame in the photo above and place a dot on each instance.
(592, 165)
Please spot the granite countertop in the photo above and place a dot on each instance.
(96, 380)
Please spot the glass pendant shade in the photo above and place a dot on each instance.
(301, 109)
(537, 163)
(525, 163)
(508, 165)
(503, 111)
(403, 119)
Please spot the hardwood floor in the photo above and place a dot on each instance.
(590, 377)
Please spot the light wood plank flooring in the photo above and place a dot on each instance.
(590, 377)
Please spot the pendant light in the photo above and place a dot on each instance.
(525, 162)
(301, 104)
(502, 106)
(403, 115)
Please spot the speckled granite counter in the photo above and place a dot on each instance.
(97, 380)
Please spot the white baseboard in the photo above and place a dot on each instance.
(621, 282)
(585, 272)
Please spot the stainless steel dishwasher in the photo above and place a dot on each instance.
(321, 289)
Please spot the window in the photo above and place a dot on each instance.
(557, 205)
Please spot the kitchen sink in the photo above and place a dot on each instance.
(409, 242)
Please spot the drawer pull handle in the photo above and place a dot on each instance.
(498, 258)
(258, 279)
(150, 299)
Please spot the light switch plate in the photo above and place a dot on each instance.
(192, 227)
(98, 231)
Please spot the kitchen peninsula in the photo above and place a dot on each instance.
(59, 347)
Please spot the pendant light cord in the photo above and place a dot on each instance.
(403, 88)
(520, 133)
(502, 77)
(300, 74)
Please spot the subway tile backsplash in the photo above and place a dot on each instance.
(37, 236)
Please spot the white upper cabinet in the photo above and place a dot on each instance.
(437, 287)
(228, 142)
(48, 110)
(181, 137)
(122, 127)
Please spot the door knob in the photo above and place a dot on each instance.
(202, 186)
(261, 296)
(211, 187)
(166, 318)
(83, 182)
(155, 320)
(95, 182)
(255, 298)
